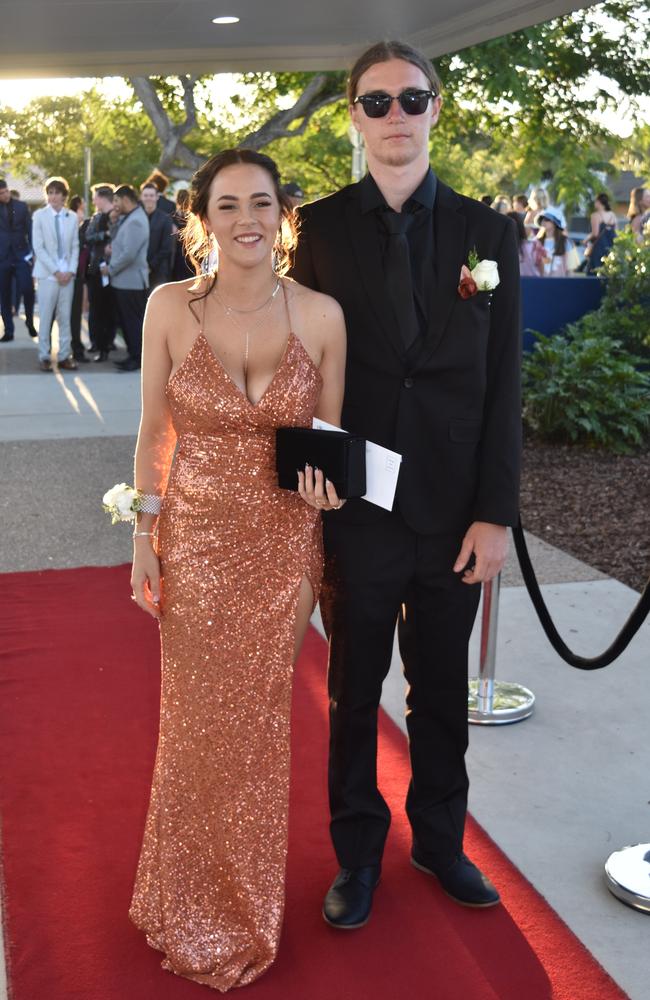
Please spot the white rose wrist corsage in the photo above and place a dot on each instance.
(123, 502)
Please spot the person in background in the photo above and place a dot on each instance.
(531, 252)
(182, 266)
(101, 310)
(25, 292)
(639, 205)
(161, 183)
(486, 199)
(78, 205)
(520, 205)
(55, 235)
(128, 271)
(295, 193)
(555, 245)
(16, 258)
(161, 241)
(603, 233)
(501, 204)
(540, 202)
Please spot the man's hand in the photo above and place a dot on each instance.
(488, 543)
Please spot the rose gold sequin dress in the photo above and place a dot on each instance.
(234, 548)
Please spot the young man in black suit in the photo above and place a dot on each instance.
(161, 242)
(432, 373)
(15, 260)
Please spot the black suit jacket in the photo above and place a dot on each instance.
(454, 411)
(161, 247)
(15, 232)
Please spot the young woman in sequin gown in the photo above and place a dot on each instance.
(233, 573)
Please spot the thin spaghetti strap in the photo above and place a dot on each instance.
(202, 323)
(286, 306)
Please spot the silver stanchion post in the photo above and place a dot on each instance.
(492, 702)
(627, 875)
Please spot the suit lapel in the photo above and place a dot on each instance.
(449, 252)
(362, 230)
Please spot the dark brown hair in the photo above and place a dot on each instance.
(103, 190)
(560, 240)
(196, 241)
(158, 179)
(59, 184)
(384, 52)
(183, 200)
(126, 191)
(75, 202)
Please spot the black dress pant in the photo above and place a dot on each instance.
(16, 282)
(375, 575)
(101, 314)
(130, 306)
(78, 350)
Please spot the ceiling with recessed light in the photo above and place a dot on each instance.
(40, 38)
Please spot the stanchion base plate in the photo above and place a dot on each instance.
(510, 703)
(627, 875)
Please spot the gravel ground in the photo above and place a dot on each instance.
(593, 505)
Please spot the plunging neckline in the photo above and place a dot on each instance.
(242, 392)
(292, 338)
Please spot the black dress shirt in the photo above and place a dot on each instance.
(419, 236)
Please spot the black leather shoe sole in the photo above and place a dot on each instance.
(461, 902)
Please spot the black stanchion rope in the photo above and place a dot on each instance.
(622, 640)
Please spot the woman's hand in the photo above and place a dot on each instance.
(145, 577)
(317, 491)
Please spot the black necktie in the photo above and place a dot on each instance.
(399, 283)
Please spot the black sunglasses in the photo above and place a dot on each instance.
(413, 102)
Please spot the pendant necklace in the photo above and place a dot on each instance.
(231, 312)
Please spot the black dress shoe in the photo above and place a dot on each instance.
(102, 356)
(462, 881)
(129, 365)
(81, 359)
(6, 338)
(32, 331)
(349, 901)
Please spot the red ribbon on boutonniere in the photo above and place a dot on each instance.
(466, 286)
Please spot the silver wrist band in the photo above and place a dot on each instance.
(150, 503)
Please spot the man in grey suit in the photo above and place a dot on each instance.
(55, 238)
(128, 271)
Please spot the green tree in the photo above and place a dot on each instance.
(51, 132)
(517, 109)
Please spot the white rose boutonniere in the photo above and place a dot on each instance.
(122, 502)
(484, 272)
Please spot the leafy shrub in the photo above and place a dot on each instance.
(584, 387)
(625, 310)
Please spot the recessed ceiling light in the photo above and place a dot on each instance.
(228, 19)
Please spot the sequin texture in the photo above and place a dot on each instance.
(209, 888)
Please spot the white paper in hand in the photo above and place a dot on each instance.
(382, 469)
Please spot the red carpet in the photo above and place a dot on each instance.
(78, 715)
